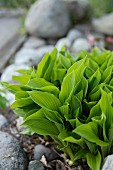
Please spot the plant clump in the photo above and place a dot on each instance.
(70, 100)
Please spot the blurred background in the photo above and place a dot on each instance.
(100, 7)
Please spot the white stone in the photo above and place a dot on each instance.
(10, 71)
(32, 56)
(80, 44)
(104, 24)
(19, 121)
(73, 34)
(63, 42)
(108, 164)
(34, 42)
(48, 19)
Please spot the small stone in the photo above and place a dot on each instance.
(108, 163)
(12, 156)
(74, 34)
(35, 165)
(79, 167)
(80, 44)
(63, 42)
(19, 121)
(3, 122)
(41, 150)
(100, 44)
(48, 19)
(34, 43)
(31, 56)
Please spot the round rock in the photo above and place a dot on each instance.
(80, 44)
(31, 56)
(73, 34)
(48, 19)
(63, 42)
(35, 165)
(41, 150)
(34, 43)
(12, 156)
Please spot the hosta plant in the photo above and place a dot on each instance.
(71, 101)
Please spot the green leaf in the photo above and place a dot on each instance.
(80, 154)
(53, 116)
(49, 70)
(20, 112)
(3, 102)
(106, 76)
(22, 79)
(41, 125)
(21, 94)
(43, 65)
(90, 132)
(67, 88)
(58, 74)
(45, 100)
(22, 102)
(94, 80)
(37, 83)
(94, 161)
(65, 62)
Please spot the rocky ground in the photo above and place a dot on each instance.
(19, 51)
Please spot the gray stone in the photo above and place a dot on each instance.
(12, 156)
(41, 150)
(79, 9)
(108, 164)
(73, 34)
(63, 42)
(104, 24)
(3, 122)
(48, 19)
(33, 42)
(32, 56)
(80, 44)
(35, 165)
(100, 44)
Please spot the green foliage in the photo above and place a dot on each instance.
(3, 100)
(101, 7)
(70, 100)
(17, 3)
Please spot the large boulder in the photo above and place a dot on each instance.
(12, 156)
(104, 24)
(48, 19)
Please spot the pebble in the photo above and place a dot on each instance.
(19, 121)
(80, 44)
(41, 150)
(32, 56)
(34, 42)
(12, 156)
(63, 42)
(35, 165)
(73, 34)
